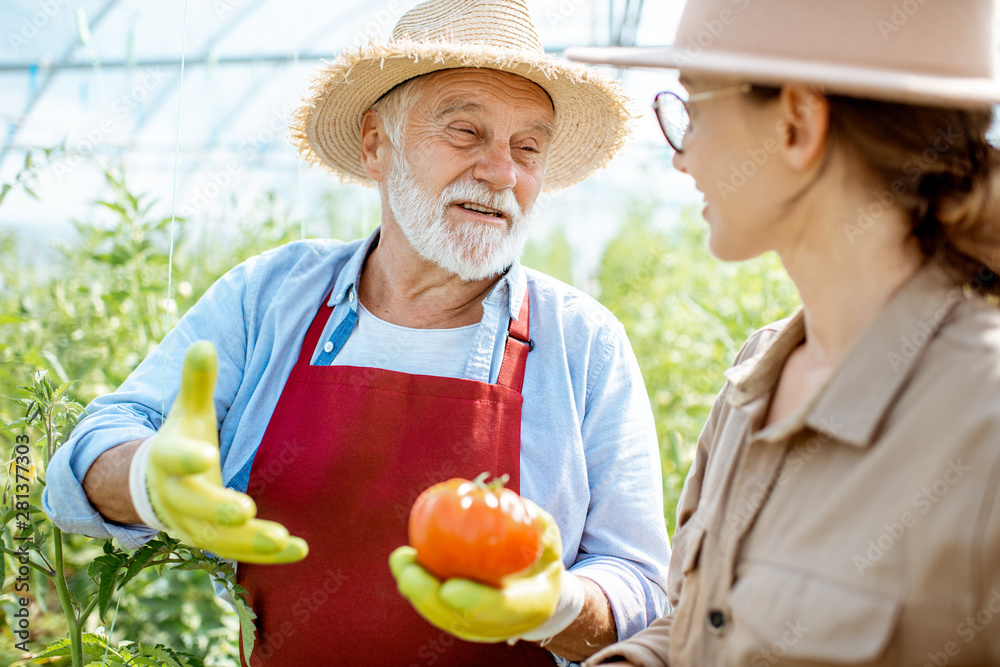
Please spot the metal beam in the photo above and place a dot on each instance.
(266, 58)
(51, 73)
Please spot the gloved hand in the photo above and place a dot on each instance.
(179, 470)
(479, 613)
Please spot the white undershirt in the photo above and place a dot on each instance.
(375, 343)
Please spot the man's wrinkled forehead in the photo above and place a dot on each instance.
(468, 89)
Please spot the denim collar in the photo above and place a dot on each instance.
(511, 286)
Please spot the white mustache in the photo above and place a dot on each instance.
(471, 252)
(474, 192)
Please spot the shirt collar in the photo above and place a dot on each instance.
(858, 395)
(350, 275)
(512, 285)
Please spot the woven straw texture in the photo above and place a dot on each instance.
(591, 112)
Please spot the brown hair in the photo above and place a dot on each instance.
(939, 165)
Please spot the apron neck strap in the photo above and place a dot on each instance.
(515, 354)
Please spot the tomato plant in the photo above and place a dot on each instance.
(474, 530)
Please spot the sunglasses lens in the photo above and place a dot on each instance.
(673, 117)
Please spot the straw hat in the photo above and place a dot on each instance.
(590, 111)
(931, 52)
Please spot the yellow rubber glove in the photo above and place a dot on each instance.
(479, 613)
(184, 478)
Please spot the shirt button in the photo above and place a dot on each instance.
(716, 622)
(350, 296)
(328, 347)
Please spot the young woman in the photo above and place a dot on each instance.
(843, 504)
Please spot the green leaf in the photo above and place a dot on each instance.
(16, 425)
(4, 189)
(109, 574)
(247, 628)
(188, 659)
(139, 560)
(94, 646)
(56, 648)
(159, 655)
(63, 387)
(107, 559)
(117, 208)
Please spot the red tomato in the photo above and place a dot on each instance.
(468, 529)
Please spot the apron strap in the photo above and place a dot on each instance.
(314, 332)
(515, 354)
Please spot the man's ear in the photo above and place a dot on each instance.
(804, 127)
(375, 146)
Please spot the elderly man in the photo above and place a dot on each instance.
(353, 375)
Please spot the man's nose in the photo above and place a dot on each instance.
(496, 166)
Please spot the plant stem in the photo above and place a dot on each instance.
(86, 610)
(74, 627)
(165, 560)
(30, 563)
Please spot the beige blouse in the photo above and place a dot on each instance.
(864, 529)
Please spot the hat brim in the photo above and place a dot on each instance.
(591, 112)
(854, 81)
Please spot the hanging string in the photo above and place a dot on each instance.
(170, 266)
(173, 207)
(295, 68)
(114, 619)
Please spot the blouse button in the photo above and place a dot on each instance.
(328, 347)
(716, 622)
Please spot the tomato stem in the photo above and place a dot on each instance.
(497, 483)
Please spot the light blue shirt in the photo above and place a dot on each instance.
(588, 442)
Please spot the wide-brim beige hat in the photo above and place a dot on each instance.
(931, 52)
(591, 113)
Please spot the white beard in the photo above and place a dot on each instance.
(470, 251)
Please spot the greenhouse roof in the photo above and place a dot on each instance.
(104, 77)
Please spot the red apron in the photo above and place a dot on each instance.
(345, 454)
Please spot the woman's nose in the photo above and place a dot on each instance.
(678, 162)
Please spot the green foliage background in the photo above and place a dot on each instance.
(102, 305)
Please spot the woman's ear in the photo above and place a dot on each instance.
(375, 146)
(804, 127)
